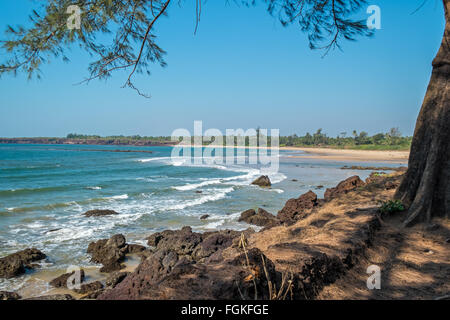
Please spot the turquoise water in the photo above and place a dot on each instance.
(44, 189)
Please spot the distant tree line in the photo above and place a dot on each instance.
(119, 137)
(390, 140)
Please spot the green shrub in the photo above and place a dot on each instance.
(391, 206)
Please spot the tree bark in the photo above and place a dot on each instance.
(425, 190)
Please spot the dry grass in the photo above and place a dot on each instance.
(415, 263)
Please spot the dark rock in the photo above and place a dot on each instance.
(376, 177)
(447, 240)
(135, 248)
(99, 213)
(388, 185)
(294, 180)
(262, 181)
(109, 252)
(92, 295)
(115, 278)
(198, 191)
(176, 245)
(213, 243)
(89, 287)
(181, 241)
(53, 230)
(15, 264)
(344, 187)
(204, 217)
(295, 209)
(61, 281)
(261, 218)
(53, 297)
(319, 187)
(233, 279)
(145, 254)
(5, 295)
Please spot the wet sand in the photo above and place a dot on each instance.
(38, 282)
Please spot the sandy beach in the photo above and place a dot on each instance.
(394, 156)
(351, 155)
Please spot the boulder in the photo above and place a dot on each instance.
(92, 295)
(109, 252)
(6, 295)
(232, 279)
(260, 218)
(115, 278)
(16, 263)
(183, 241)
(204, 217)
(186, 245)
(213, 243)
(135, 248)
(89, 287)
(99, 213)
(295, 209)
(61, 281)
(262, 181)
(343, 187)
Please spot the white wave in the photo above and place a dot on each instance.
(193, 186)
(276, 190)
(234, 180)
(221, 193)
(154, 159)
(94, 188)
(277, 177)
(214, 224)
(119, 197)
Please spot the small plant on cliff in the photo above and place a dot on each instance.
(391, 206)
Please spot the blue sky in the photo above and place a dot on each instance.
(241, 70)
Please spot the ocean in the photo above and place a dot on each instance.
(45, 189)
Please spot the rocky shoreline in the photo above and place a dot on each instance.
(307, 245)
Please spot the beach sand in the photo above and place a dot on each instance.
(351, 155)
(394, 156)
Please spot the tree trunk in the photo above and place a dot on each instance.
(425, 190)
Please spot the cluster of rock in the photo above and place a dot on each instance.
(111, 252)
(299, 208)
(189, 265)
(16, 264)
(214, 265)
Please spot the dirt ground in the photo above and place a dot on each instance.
(414, 263)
